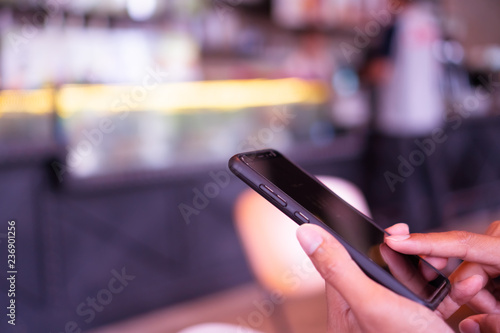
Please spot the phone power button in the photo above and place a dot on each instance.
(301, 217)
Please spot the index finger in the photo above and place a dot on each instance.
(483, 249)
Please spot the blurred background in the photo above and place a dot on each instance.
(117, 119)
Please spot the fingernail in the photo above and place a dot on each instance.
(309, 239)
(401, 224)
(469, 326)
(397, 237)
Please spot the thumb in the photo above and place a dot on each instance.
(483, 323)
(335, 265)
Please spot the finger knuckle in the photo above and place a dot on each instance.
(330, 271)
(464, 237)
(465, 240)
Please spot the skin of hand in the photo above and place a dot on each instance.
(474, 282)
(355, 302)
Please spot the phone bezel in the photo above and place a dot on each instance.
(239, 165)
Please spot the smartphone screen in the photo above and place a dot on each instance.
(304, 198)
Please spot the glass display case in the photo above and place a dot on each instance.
(187, 124)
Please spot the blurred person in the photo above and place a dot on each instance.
(410, 101)
(408, 118)
(358, 304)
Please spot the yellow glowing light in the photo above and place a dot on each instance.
(39, 101)
(231, 95)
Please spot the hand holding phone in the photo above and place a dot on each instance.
(355, 302)
(306, 200)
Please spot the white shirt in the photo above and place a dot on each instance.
(411, 102)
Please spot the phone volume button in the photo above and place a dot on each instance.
(302, 217)
(273, 195)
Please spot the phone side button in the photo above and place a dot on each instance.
(273, 195)
(302, 217)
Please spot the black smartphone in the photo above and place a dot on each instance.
(306, 200)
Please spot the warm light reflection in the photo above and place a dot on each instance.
(183, 97)
(231, 95)
(27, 101)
